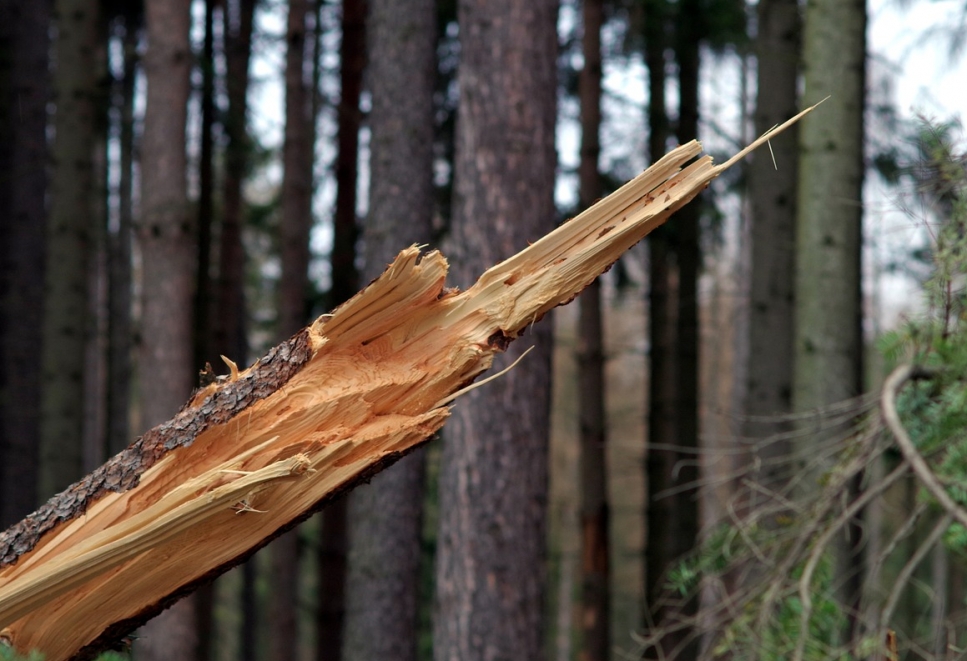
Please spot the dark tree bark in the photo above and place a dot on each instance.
(595, 571)
(681, 535)
(168, 251)
(296, 224)
(493, 489)
(772, 195)
(229, 323)
(352, 55)
(204, 283)
(24, 46)
(297, 179)
(661, 391)
(119, 251)
(334, 544)
(673, 521)
(383, 583)
(70, 243)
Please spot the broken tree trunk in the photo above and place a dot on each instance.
(256, 452)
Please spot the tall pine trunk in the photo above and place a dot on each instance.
(293, 295)
(385, 517)
(772, 194)
(661, 358)
(24, 45)
(828, 335)
(119, 247)
(229, 323)
(334, 542)
(70, 243)
(493, 484)
(673, 520)
(166, 235)
(204, 282)
(595, 571)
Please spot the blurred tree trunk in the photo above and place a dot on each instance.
(296, 225)
(119, 251)
(204, 282)
(493, 484)
(828, 334)
(595, 572)
(229, 322)
(772, 195)
(334, 542)
(94, 387)
(385, 517)
(24, 45)
(673, 521)
(168, 252)
(204, 334)
(682, 532)
(70, 229)
(661, 320)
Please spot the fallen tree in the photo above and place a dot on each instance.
(256, 452)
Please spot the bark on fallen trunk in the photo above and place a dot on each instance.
(253, 454)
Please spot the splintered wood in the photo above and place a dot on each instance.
(253, 454)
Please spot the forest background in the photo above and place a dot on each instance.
(182, 180)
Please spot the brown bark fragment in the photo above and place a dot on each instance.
(123, 471)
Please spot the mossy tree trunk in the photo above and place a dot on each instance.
(772, 195)
(828, 335)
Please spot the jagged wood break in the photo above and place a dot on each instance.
(253, 454)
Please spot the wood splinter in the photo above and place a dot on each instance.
(330, 407)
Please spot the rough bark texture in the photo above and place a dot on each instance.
(828, 335)
(772, 195)
(168, 264)
(254, 453)
(24, 45)
(70, 243)
(493, 483)
(296, 224)
(595, 573)
(385, 516)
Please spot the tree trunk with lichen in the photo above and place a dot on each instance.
(256, 452)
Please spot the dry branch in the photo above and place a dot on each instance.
(255, 453)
